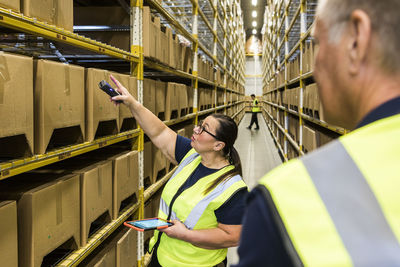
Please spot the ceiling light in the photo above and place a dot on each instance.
(254, 2)
(254, 31)
(254, 14)
(254, 23)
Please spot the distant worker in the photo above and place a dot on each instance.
(255, 109)
(205, 197)
(339, 206)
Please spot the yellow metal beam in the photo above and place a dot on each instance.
(12, 168)
(26, 24)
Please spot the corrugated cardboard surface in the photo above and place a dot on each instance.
(151, 34)
(148, 161)
(183, 98)
(12, 4)
(149, 94)
(163, 48)
(104, 258)
(171, 100)
(125, 178)
(159, 162)
(110, 16)
(16, 96)
(124, 111)
(160, 92)
(8, 234)
(59, 100)
(98, 105)
(126, 249)
(124, 79)
(55, 12)
(48, 212)
(96, 195)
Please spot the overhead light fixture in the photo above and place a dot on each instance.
(254, 23)
(254, 31)
(254, 14)
(254, 2)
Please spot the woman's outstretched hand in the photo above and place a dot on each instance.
(124, 96)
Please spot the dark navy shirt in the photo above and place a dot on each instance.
(261, 244)
(232, 211)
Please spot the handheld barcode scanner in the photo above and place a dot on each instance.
(106, 87)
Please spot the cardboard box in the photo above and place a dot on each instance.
(151, 34)
(96, 196)
(163, 45)
(109, 16)
(188, 59)
(104, 258)
(183, 99)
(181, 132)
(126, 120)
(48, 213)
(309, 139)
(172, 46)
(149, 100)
(148, 163)
(11, 4)
(101, 115)
(189, 130)
(16, 105)
(178, 55)
(126, 248)
(172, 102)
(8, 234)
(160, 92)
(59, 103)
(125, 180)
(54, 12)
(159, 164)
(124, 112)
(190, 96)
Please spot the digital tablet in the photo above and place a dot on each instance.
(148, 224)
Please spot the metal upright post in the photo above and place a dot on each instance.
(286, 120)
(303, 29)
(195, 60)
(136, 32)
(215, 32)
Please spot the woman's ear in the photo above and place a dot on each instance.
(219, 146)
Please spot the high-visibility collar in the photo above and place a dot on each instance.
(339, 206)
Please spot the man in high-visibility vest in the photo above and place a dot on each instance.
(255, 109)
(339, 206)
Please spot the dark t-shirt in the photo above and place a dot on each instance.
(232, 211)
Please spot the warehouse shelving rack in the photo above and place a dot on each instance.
(226, 16)
(286, 31)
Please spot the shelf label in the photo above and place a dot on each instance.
(64, 155)
(101, 144)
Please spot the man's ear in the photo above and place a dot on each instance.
(219, 146)
(359, 39)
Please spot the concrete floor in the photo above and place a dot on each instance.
(258, 154)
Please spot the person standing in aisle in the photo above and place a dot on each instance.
(205, 197)
(339, 206)
(255, 109)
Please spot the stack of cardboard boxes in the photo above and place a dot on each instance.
(62, 205)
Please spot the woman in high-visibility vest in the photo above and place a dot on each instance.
(205, 197)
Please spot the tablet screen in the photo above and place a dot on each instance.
(149, 224)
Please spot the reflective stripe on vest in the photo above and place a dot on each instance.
(197, 211)
(255, 108)
(339, 206)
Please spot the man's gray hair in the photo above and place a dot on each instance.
(385, 20)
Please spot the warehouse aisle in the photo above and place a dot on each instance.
(258, 155)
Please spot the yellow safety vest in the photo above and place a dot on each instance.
(196, 211)
(256, 107)
(340, 206)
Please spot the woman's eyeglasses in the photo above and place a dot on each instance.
(200, 129)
